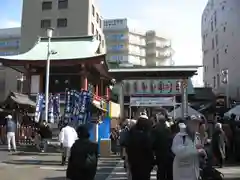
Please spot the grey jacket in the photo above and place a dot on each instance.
(11, 126)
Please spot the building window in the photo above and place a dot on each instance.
(46, 5)
(62, 4)
(211, 25)
(97, 18)
(62, 22)
(100, 38)
(205, 69)
(213, 46)
(97, 34)
(218, 80)
(214, 62)
(93, 10)
(93, 29)
(100, 23)
(217, 58)
(215, 18)
(216, 40)
(224, 29)
(46, 23)
(103, 44)
(214, 82)
(223, 7)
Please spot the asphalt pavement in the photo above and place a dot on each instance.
(44, 166)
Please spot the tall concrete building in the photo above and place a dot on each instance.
(67, 17)
(9, 45)
(220, 45)
(126, 46)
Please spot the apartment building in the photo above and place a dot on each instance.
(220, 45)
(126, 46)
(9, 45)
(67, 17)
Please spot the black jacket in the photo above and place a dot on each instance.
(45, 132)
(77, 161)
(139, 148)
(162, 142)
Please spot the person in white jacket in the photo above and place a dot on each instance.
(67, 137)
(187, 148)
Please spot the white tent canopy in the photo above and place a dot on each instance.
(178, 112)
(235, 110)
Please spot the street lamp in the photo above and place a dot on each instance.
(21, 80)
(49, 35)
(225, 80)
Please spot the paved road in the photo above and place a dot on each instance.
(30, 166)
(230, 173)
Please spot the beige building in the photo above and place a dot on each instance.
(9, 45)
(67, 17)
(220, 45)
(126, 46)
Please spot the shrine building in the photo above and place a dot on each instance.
(153, 87)
(75, 63)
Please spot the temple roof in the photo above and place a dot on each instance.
(146, 72)
(62, 48)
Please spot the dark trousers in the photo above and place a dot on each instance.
(164, 171)
(140, 174)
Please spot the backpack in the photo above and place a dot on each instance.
(210, 173)
(91, 161)
(184, 139)
(123, 136)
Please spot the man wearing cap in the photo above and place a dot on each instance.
(11, 127)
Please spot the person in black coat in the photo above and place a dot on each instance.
(82, 163)
(162, 149)
(139, 149)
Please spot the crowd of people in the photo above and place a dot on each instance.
(179, 149)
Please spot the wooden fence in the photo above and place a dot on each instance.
(24, 135)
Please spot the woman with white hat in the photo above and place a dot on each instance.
(187, 147)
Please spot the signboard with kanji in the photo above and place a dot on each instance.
(154, 87)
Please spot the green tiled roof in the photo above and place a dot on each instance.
(64, 48)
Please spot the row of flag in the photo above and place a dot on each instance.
(53, 107)
(77, 107)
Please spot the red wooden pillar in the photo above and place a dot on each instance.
(84, 78)
(102, 93)
(107, 93)
(97, 90)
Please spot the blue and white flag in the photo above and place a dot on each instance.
(56, 106)
(50, 109)
(39, 107)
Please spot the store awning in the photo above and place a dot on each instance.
(17, 98)
(101, 105)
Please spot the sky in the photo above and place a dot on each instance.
(179, 20)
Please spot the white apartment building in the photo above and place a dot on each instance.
(9, 45)
(67, 17)
(126, 46)
(220, 45)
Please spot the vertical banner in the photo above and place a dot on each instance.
(56, 106)
(50, 109)
(39, 107)
(67, 110)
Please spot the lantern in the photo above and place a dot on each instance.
(135, 86)
(152, 86)
(178, 86)
(144, 87)
(160, 86)
(169, 86)
(127, 87)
